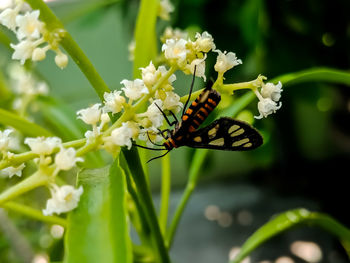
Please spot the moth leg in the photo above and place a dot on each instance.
(165, 117)
(149, 138)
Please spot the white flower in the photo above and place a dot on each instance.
(269, 90)
(4, 4)
(11, 171)
(172, 102)
(64, 199)
(204, 42)
(90, 115)
(61, 60)
(23, 50)
(153, 114)
(174, 34)
(4, 139)
(113, 101)
(29, 25)
(42, 145)
(65, 159)
(8, 18)
(134, 89)
(149, 75)
(226, 61)
(122, 136)
(165, 8)
(175, 50)
(200, 67)
(267, 106)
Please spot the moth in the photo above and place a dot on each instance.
(222, 134)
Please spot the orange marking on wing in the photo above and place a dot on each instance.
(212, 102)
(189, 111)
(185, 118)
(194, 104)
(192, 129)
(196, 122)
(204, 111)
(200, 116)
(208, 107)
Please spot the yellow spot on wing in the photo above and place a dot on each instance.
(204, 96)
(218, 142)
(197, 139)
(238, 132)
(233, 128)
(212, 132)
(247, 145)
(240, 142)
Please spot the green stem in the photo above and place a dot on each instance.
(197, 162)
(34, 213)
(133, 160)
(31, 182)
(54, 24)
(26, 127)
(314, 74)
(24, 157)
(5, 93)
(165, 194)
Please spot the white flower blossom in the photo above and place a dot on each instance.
(165, 8)
(226, 61)
(172, 102)
(269, 90)
(5, 139)
(61, 60)
(176, 34)
(23, 50)
(66, 159)
(153, 114)
(42, 145)
(90, 115)
(11, 171)
(121, 136)
(267, 106)
(150, 75)
(8, 18)
(29, 25)
(175, 50)
(204, 42)
(113, 101)
(134, 89)
(4, 4)
(64, 199)
(200, 67)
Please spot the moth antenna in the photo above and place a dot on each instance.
(160, 156)
(189, 95)
(148, 148)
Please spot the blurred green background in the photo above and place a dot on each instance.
(307, 143)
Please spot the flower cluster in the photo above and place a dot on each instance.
(64, 198)
(25, 86)
(186, 54)
(34, 39)
(268, 96)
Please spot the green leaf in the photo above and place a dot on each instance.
(145, 35)
(289, 219)
(24, 126)
(98, 229)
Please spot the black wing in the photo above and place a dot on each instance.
(226, 134)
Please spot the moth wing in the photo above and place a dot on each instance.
(226, 134)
